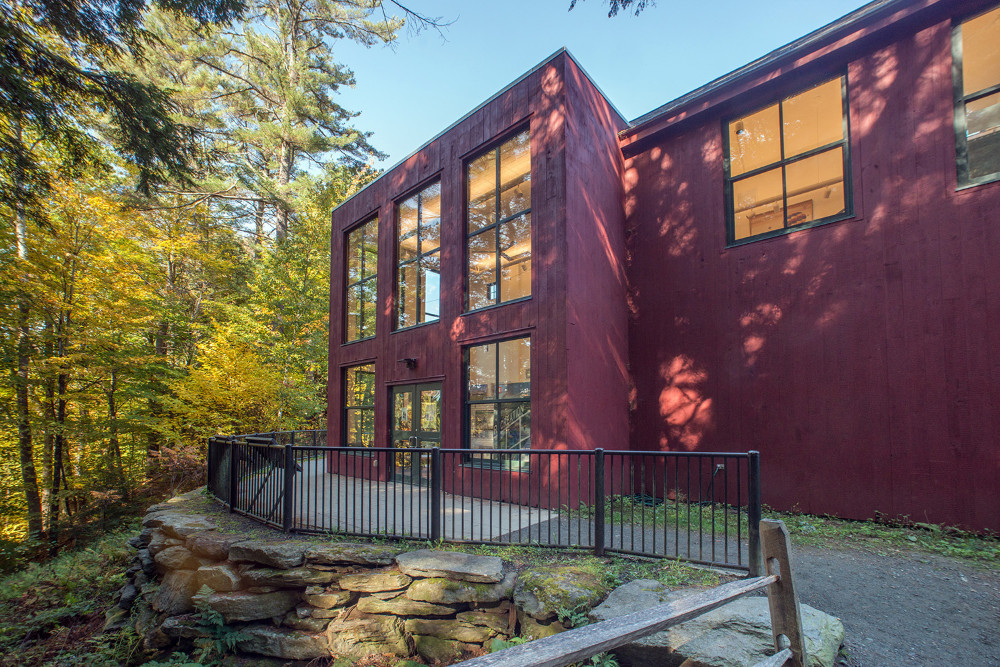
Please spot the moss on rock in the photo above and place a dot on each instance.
(542, 592)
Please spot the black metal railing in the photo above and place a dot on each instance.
(698, 507)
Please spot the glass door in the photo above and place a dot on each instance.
(416, 424)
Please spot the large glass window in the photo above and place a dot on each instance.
(976, 51)
(418, 258)
(786, 164)
(498, 395)
(498, 215)
(359, 406)
(362, 265)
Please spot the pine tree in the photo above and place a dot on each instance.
(265, 92)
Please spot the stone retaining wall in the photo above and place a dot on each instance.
(199, 573)
(305, 598)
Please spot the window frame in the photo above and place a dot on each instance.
(373, 278)
(415, 192)
(494, 147)
(964, 180)
(345, 409)
(844, 143)
(496, 402)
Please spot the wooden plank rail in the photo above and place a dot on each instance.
(581, 643)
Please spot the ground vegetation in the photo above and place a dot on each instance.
(167, 175)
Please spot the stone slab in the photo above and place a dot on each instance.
(350, 553)
(451, 564)
(372, 582)
(282, 555)
(447, 591)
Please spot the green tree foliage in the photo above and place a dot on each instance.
(131, 328)
(59, 58)
(265, 92)
(614, 6)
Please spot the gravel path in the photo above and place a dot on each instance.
(904, 608)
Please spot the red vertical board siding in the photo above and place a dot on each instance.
(859, 357)
(576, 315)
(597, 321)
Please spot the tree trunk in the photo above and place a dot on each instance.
(284, 178)
(29, 478)
(258, 244)
(114, 446)
(49, 407)
(157, 387)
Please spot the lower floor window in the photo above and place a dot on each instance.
(498, 398)
(359, 406)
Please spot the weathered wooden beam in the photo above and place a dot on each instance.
(786, 617)
(581, 643)
(777, 660)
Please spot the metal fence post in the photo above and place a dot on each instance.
(234, 469)
(289, 490)
(754, 514)
(210, 455)
(291, 438)
(599, 502)
(435, 494)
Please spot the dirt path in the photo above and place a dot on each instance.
(903, 607)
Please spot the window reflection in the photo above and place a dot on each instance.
(362, 265)
(498, 398)
(979, 106)
(499, 224)
(359, 406)
(787, 162)
(418, 260)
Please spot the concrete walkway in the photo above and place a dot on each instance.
(341, 503)
(402, 508)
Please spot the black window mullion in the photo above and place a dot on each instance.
(784, 177)
(796, 158)
(420, 206)
(979, 94)
(496, 241)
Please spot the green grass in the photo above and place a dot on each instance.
(884, 536)
(643, 510)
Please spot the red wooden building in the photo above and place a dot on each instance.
(798, 258)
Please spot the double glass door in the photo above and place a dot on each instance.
(416, 424)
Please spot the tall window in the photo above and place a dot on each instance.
(499, 224)
(362, 265)
(359, 406)
(976, 51)
(498, 395)
(786, 164)
(418, 258)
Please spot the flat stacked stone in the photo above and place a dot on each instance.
(281, 555)
(449, 591)
(452, 565)
(374, 582)
(350, 553)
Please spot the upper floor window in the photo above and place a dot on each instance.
(362, 265)
(418, 258)
(976, 52)
(498, 214)
(786, 164)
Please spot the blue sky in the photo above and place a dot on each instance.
(409, 93)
